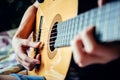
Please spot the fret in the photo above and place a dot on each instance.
(81, 22)
(86, 19)
(118, 18)
(65, 32)
(71, 29)
(60, 34)
(77, 24)
(74, 26)
(117, 21)
(99, 18)
(106, 28)
(91, 16)
(108, 22)
(62, 42)
(68, 32)
(106, 19)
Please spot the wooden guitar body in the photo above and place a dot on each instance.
(54, 61)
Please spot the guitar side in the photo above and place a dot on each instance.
(54, 62)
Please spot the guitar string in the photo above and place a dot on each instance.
(115, 9)
(54, 36)
(52, 42)
(62, 30)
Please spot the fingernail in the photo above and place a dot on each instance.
(37, 62)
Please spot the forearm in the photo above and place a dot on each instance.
(7, 77)
(27, 22)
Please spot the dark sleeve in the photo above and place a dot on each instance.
(40, 1)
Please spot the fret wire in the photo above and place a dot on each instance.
(65, 37)
(111, 21)
(61, 32)
(73, 27)
(100, 22)
(81, 20)
(118, 18)
(86, 19)
(66, 30)
(71, 30)
(116, 22)
(98, 18)
(69, 40)
(61, 35)
(90, 17)
(96, 23)
(107, 9)
(107, 22)
(76, 26)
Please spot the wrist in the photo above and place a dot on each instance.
(36, 4)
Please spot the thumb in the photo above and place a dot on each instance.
(38, 57)
(29, 43)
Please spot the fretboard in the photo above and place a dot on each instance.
(106, 20)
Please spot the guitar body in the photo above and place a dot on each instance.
(54, 61)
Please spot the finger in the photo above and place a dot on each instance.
(38, 57)
(22, 63)
(78, 52)
(88, 39)
(81, 57)
(27, 65)
(26, 61)
(101, 2)
(28, 43)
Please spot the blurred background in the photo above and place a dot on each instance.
(11, 12)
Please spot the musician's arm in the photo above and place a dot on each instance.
(20, 42)
(87, 51)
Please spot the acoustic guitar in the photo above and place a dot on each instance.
(57, 23)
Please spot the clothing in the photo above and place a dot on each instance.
(40, 1)
(92, 72)
(26, 77)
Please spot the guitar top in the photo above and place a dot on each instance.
(57, 23)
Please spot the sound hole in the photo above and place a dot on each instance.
(53, 36)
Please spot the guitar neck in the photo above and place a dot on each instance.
(106, 20)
